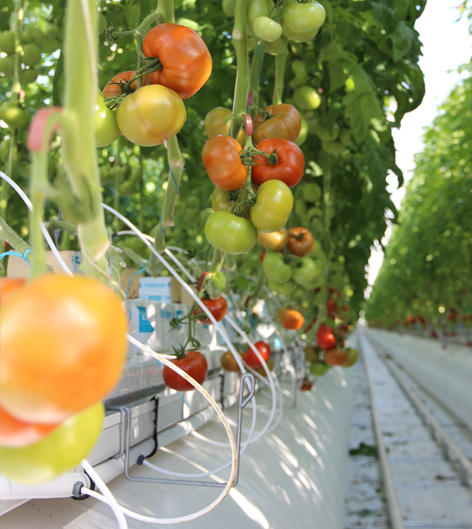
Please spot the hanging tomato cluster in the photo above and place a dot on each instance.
(62, 349)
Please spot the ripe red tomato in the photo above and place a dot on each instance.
(292, 320)
(325, 337)
(221, 159)
(186, 61)
(112, 89)
(217, 307)
(194, 364)
(17, 433)
(411, 319)
(306, 385)
(151, 115)
(288, 167)
(277, 121)
(335, 357)
(300, 247)
(62, 347)
(250, 357)
(10, 285)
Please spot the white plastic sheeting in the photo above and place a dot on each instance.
(294, 477)
(446, 373)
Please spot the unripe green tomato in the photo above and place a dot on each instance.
(7, 66)
(190, 214)
(314, 212)
(284, 289)
(298, 37)
(311, 192)
(345, 137)
(228, 7)
(275, 268)
(50, 46)
(332, 147)
(301, 74)
(258, 8)
(230, 234)
(302, 18)
(52, 30)
(300, 208)
(267, 29)
(319, 369)
(104, 122)
(277, 47)
(28, 76)
(13, 116)
(33, 36)
(302, 135)
(7, 42)
(306, 98)
(307, 272)
(273, 206)
(31, 55)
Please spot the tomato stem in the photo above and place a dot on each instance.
(242, 76)
(78, 145)
(113, 36)
(256, 68)
(280, 62)
(14, 240)
(38, 185)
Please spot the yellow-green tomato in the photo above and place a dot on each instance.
(258, 8)
(7, 42)
(230, 234)
(304, 36)
(273, 206)
(151, 115)
(302, 135)
(275, 268)
(217, 122)
(104, 121)
(267, 29)
(352, 356)
(319, 369)
(33, 36)
(277, 47)
(304, 17)
(306, 98)
(306, 272)
(14, 116)
(60, 451)
(220, 201)
(284, 289)
(28, 76)
(311, 192)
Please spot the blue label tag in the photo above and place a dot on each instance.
(144, 324)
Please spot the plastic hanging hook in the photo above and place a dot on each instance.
(17, 254)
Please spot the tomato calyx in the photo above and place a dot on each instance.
(298, 237)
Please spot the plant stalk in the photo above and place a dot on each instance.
(280, 63)
(14, 240)
(242, 61)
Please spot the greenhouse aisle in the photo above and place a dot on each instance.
(426, 486)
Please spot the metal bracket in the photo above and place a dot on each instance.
(247, 383)
(222, 390)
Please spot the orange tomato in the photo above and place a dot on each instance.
(281, 121)
(15, 433)
(335, 357)
(292, 320)
(221, 159)
(112, 89)
(9, 285)
(62, 347)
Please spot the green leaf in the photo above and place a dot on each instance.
(337, 77)
(401, 10)
(132, 14)
(102, 23)
(331, 52)
(403, 39)
(362, 81)
(219, 280)
(241, 283)
(383, 16)
(359, 111)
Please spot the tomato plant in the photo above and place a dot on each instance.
(300, 241)
(194, 364)
(151, 115)
(230, 234)
(217, 307)
(277, 121)
(292, 320)
(250, 358)
(62, 347)
(273, 206)
(185, 59)
(221, 159)
(56, 453)
(285, 162)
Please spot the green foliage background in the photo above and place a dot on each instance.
(427, 265)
